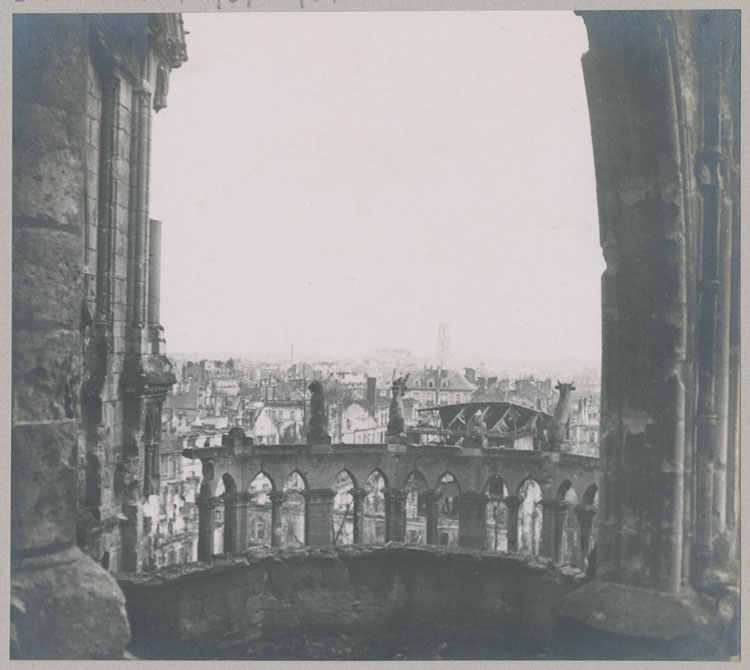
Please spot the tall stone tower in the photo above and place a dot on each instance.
(89, 370)
(444, 345)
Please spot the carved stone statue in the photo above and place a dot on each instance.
(207, 470)
(558, 429)
(477, 427)
(396, 424)
(318, 432)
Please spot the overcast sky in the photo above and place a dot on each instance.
(346, 181)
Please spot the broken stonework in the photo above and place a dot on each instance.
(67, 607)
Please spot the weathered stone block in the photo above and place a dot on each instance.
(48, 173)
(45, 375)
(49, 61)
(92, 153)
(43, 485)
(123, 169)
(72, 608)
(411, 592)
(334, 574)
(47, 278)
(644, 623)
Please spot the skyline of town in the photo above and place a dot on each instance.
(402, 358)
(571, 363)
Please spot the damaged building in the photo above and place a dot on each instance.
(498, 424)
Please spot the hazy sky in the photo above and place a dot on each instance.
(345, 181)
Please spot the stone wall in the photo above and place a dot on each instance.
(50, 132)
(663, 91)
(383, 595)
(85, 350)
(87, 368)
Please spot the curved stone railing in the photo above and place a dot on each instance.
(233, 607)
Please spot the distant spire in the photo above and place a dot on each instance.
(444, 345)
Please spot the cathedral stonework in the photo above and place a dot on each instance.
(89, 370)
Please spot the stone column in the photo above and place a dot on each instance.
(277, 533)
(553, 527)
(52, 281)
(472, 523)
(395, 514)
(432, 503)
(230, 522)
(131, 533)
(319, 517)
(154, 272)
(235, 522)
(139, 176)
(512, 503)
(654, 122)
(358, 519)
(660, 308)
(206, 507)
(585, 515)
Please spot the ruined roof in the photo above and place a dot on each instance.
(501, 418)
(215, 422)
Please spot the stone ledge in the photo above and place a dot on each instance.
(205, 452)
(258, 555)
(43, 485)
(387, 592)
(640, 613)
(67, 607)
(578, 459)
